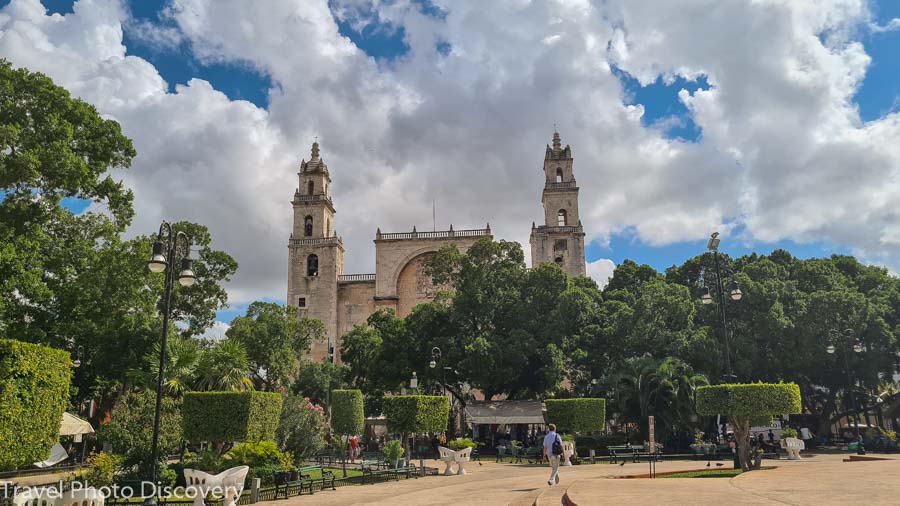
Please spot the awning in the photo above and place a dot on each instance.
(72, 425)
(505, 412)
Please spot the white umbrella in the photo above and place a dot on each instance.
(72, 425)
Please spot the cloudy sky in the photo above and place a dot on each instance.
(774, 122)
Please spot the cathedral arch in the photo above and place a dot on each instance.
(308, 226)
(561, 218)
(559, 175)
(310, 188)
(312, 265)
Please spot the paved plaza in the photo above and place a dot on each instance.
(821, 479)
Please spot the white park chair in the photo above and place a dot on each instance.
(49, 496)
(568, 451)
(449, 457)
(793, 447)
(229, 483)
(233, 481)
(462, 456)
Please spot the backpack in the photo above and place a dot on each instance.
(557, 446)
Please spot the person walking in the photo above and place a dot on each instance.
(553, 451)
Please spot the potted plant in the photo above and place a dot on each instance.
(393, 450)
(287, 465)
(701, 447)
(461, 443)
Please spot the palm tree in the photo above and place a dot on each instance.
(665, 389)
(181, 363)
(224, 366)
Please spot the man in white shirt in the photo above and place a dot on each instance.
(548, 453)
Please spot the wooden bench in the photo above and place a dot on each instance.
(326, 478)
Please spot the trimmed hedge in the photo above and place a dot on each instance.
(599, 443)
(576, 415)
(756, 401)
(416, 413)
(347, 416)
(34, 392)
(223, 417)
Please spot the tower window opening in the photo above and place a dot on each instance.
(561, 218)
(559, 175)
(327, 228)
(307, 226)
(301, 302)
(558, 260)
(312, 265)
(310, 188)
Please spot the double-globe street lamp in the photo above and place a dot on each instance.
(734, 292)
(435, 360)
(170, 249)
(845, 340)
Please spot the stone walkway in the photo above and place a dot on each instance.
(820, 480)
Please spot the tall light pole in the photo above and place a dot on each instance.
(845, 340)
(435, 360)
(170, 249)
(734, 292)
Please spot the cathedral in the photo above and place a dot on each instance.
(318, 287)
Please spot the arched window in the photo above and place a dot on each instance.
(327, 228)
(559, 174)
(307, 226)
(310, 188)
(312, 265)
(558, 260)
(561, 218)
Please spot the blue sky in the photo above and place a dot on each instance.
(878, 95)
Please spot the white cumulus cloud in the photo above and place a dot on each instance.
(783, 152)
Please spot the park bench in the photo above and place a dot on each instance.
(326, 478)
(621, 451)
(284, 485)
(793, 447)
(534, 454)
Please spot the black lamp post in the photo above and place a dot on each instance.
(170, 249)
(734, 292)
(845, 340)
(435, 359)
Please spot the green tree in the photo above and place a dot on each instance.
(130, 431)
(316, 379)
(275, 340)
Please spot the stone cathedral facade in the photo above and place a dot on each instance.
(318, 287)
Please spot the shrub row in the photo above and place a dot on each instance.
(416, 413)
(34, 392)
(576, 415)
(220, 417)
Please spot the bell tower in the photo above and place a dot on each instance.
(315, 252)
(561, 238)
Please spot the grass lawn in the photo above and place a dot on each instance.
(709, 473)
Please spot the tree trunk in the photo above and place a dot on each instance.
(742, 436)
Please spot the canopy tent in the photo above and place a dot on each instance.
(72, 425)
(505, 412)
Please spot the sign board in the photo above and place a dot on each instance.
(651, 424)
